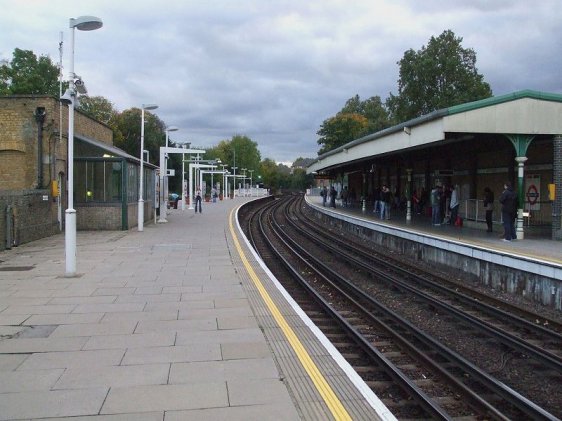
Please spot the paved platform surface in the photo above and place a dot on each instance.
(165, 324)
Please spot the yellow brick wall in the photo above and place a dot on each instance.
(19, 143)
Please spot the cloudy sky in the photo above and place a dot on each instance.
(274, 70)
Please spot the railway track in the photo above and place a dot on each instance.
(414, 373)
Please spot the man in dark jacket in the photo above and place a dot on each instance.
(508, 200)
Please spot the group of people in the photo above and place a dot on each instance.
(346, 196)
(329, 195)
(445, 203)
(383, 201)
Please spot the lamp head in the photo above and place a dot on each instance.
(86, 23)
(149, 106)
(172, 129)
(67, 98)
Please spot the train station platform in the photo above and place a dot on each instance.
(178, 322)
(535, 254)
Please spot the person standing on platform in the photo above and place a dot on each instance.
(344, 197)
(333, 194)
(435, 197)
(377, 200)
(198, 200)
(454, 204)
(508, 199)
(386, 200)
(488, 207)
(324, 194)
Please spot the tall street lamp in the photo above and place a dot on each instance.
(165, 180)
(82, 23)
(251, 173)
(140, 213)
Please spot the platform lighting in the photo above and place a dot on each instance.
(82, 23)
(140, 213)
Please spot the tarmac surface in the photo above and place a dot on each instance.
(164, 324)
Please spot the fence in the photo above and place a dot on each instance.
(473, 209)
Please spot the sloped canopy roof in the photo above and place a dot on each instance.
(522, 112)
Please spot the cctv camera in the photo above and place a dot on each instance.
(80, 87)
(67, 98)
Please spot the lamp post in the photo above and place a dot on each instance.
(244, 180)
(251, 173)
(224, 181)
(164, 187)
(82, 23)
(234, 182)
(140, 213)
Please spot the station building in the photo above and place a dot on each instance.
(515, 137)
(33, 168)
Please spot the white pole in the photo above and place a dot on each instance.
(140, 213)
(183, 181)
(70, 213)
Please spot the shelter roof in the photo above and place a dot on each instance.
(522, 112)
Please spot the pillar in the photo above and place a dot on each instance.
(557, 180)
(520, 195)
(521, 143)
(409, 196)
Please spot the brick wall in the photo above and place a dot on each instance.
(33, 217)
(19, 168)
(99, 217)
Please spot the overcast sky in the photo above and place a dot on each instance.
(275, 70)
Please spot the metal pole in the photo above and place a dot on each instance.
(70, 213)
(140, 210)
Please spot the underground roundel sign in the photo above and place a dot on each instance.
(532, 194)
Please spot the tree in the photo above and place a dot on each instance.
(341, 129)
(27, 74)
(440, 75)
(129, 124)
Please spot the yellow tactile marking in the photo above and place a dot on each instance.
(324, 389)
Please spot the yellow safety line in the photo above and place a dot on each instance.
(325, 390)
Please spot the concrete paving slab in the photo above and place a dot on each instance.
(165, 398)
(147, 326)
(270, 412)
(258, 392)
(13, 320)
(237, 322)
(108, 308)
(173, 354)
(241, 351)
(137, 416)
(220, 313)
(127, 341)
(24, 381)
(72, 359)
(95, 329)
(55, 403)
(113, 376)
(28, 345)
(148, 298)
(102, 299)
(11, 361)
(220, 336)
(140, 315)
(64, 319)
(203, 372)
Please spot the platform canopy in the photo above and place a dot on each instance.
(524, 112)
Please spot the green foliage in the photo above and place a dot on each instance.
(440, 75)
(28, 75)
(341, 129)
(129, 124)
